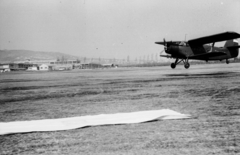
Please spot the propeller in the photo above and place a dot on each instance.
(162, 52)
(165, 44)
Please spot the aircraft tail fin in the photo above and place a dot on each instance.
(233, 47)
(230, 43)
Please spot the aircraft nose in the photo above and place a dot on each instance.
(165, 48)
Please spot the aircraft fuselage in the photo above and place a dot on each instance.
(183, 52)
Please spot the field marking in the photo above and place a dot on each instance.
(92, 120)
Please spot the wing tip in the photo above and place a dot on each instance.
(237, 35)
(161, 43)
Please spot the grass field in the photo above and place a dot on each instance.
(210, 93)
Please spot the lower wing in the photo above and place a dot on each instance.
(207, 55)
(166, 56)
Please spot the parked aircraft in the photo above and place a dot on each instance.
(197, 49)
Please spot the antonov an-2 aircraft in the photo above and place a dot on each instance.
(197, 49)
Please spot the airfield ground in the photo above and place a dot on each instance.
(210, 93)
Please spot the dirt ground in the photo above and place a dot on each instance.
(210, 93)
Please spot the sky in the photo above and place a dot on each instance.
(111, 28)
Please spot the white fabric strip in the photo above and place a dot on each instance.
(83, 121)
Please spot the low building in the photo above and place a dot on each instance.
(43, 67)
(4, 68)
(20, 66)
(33, 68)
(61, 67)
(109, 66)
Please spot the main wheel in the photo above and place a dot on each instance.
(173, 65)
(186, 65)
(227, 61)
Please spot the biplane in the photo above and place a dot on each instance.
(202, 49)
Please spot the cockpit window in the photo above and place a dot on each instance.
(182, 43)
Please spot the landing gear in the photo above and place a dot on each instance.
(185, 61)
(173, 65)
(227, 61)
(186, 65)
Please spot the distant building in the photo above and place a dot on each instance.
(109, 66)
(4, 68)
(43, 67)
(33, 68)
(61, 67)
(20, 66)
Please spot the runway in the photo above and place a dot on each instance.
(210, 93)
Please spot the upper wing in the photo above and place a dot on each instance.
(207, 55)
(213, 38)
(168, 43)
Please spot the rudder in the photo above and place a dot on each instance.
(232, 46)
(230, 43)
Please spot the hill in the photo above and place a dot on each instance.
(22, 55)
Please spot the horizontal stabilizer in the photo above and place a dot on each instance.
(233, 47)
(207, 55)
(214, 38)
